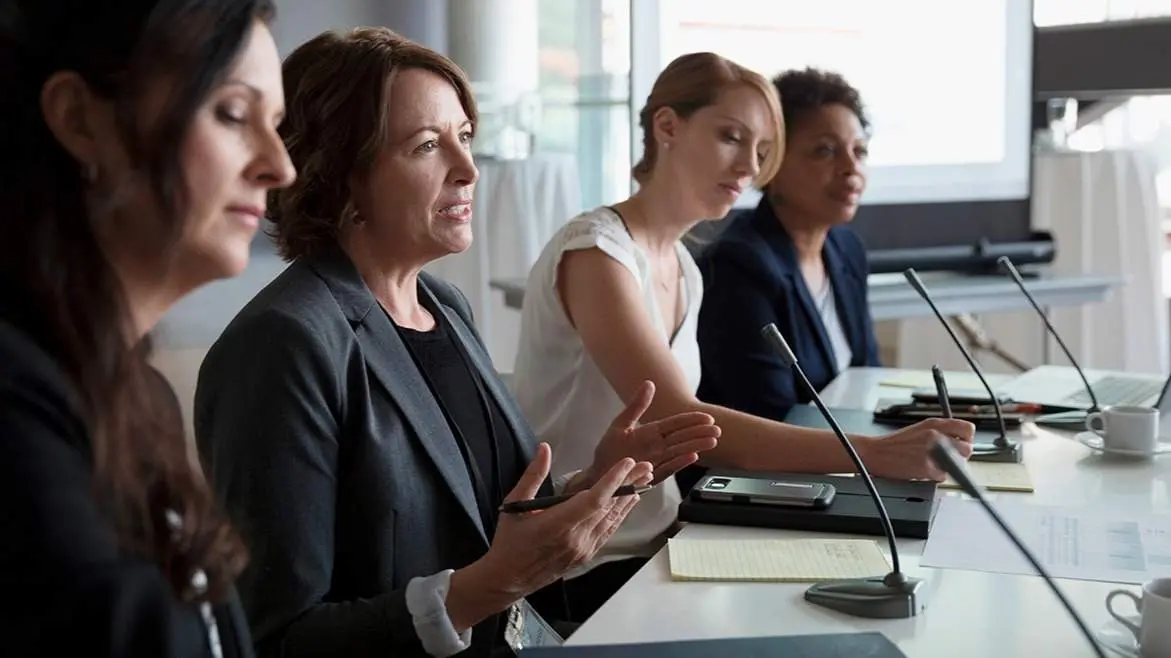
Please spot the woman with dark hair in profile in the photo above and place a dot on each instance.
(139, 143)
(792, 260)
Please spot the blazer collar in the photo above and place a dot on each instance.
(390, 361)
(341, 276)
(849, 294)
(767, 224)
(487, 372)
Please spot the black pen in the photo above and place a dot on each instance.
(941, 391)
(534, 504)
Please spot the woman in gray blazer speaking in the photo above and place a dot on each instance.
(350, 416)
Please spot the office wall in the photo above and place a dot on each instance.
(297, 21)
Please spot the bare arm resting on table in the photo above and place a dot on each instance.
(602, 300)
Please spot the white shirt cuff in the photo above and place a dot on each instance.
(427, 603)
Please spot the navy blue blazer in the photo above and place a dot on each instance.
(751, 277)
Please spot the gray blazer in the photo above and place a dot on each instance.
(325, 443)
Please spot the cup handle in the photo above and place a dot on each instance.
(1138, 605)
(1092, 419)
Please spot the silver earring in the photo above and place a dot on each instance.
(667, 145)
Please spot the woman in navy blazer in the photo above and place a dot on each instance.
(792, 262)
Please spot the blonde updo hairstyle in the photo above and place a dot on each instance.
(694, 81)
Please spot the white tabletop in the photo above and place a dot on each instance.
(967, 613)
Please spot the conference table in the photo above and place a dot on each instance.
(968, 613)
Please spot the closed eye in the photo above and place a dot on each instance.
(230, 115)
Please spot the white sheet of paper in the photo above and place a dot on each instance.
(1070, 542)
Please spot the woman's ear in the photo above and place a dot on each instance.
(666, 125)
(77, 118)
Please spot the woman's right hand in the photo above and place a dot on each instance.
(905, 454)
(533, 549)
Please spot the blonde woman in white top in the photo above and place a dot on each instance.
(614, 297)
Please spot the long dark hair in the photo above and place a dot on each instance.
(52, 267)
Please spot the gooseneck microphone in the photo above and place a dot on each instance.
(1005, 263)
(1001, 450)
(950, 462)
(893, 596)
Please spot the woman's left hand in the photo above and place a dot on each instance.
(668, 444)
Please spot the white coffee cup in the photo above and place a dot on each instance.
(1123, 428)
(1153, 632)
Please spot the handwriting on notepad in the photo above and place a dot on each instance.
(995, 476)
(775, 560)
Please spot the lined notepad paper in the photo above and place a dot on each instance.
(923, 379)
(995, 476)
(775, 560)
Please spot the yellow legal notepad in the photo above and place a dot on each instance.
(775, 560)
(994, 476)
(924, 379)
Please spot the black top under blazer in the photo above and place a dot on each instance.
(324, 440)
(751, 277)
(68, 590)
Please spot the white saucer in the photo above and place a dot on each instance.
(1118, 638)
(1094, 442)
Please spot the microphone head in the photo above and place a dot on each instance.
(773, 337)
(912, 278)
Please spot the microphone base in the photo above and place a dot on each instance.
(1012, 453)
(872, 598)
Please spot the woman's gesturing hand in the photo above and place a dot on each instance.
(533, 549)
(668, 444)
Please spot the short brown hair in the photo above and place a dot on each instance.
(694, 81)
(338, 87)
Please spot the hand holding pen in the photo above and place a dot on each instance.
(545, 502)
(529, 551)
(941, 391)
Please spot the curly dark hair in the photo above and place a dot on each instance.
(806, 90)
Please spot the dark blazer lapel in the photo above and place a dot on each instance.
(390, 361)
(521, 432)
(849, 297)
(483, 364)
(769, 226)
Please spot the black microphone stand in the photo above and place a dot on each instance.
(1001, 450)
(893, 596)
(949, 461)
(1007, 265)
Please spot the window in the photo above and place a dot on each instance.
(584, 86)
(946, 84)
(1048, 13)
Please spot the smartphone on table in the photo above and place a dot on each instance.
(765, 491)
